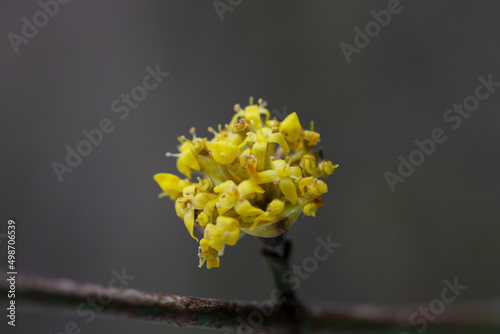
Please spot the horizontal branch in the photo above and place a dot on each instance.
(288, 317)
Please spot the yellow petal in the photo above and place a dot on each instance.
(180, 207)
(251, 137)
(169, 183)
(278, 163)
(225, 187)
(284, 172)
(213, 263)
(232, 237)
(267, 176)
(288, 189)
(209, 207)
(206, 216)
(296, 172)
(224, 152)
(189, 191)
(226, 202)
(251, 107)
(244, 208)
(249, 187)
(199, 201)
(252, 112)
(233, 138)
(291, 128)
(183, 168)
(259, 150)
(280, 140)
(230, 228)
(227, 223)
(305, 182)
(216, 239)
(189, 222)
(189, 159)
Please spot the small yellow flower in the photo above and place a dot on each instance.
(208, 254)
(314, 186)
(225, 231)
(311, 137)
(171, 184)
(252, 112)
(327, 167)
(185, 209)
(308, 164)
(237, 197)
(261, 140)
(187, 161)
(257, 175)
(283, 175)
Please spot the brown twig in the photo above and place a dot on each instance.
(231, 315)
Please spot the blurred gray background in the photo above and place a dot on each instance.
(441, 223)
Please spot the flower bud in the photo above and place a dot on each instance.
(291, 128)
(224, 152)
(312, 137)
(327, 167)
(308, 164)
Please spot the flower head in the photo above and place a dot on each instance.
(258, 175)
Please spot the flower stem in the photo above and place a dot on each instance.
(276, 252)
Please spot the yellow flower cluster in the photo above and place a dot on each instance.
(258, 175)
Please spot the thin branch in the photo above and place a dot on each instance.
(229, 315)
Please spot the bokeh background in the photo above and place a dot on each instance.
(441, 223)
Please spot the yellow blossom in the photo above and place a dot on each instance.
(314, 186)
(252, 112)
(327, 167)
(284, 176)
(260, 141)
(312, 137)
(208, 254)
(171, 184)
(256, 175)
(186, 160)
